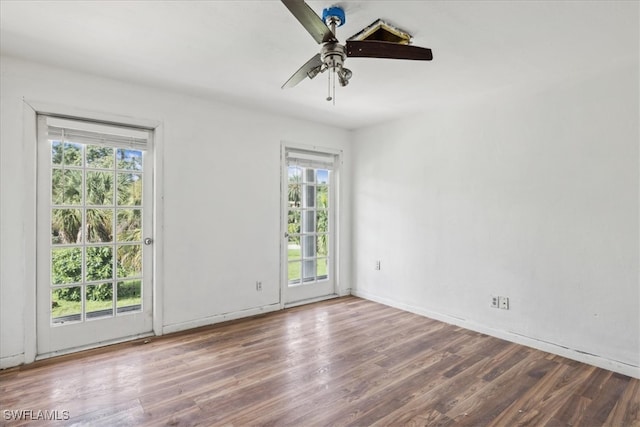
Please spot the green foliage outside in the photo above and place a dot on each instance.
(65, 308)
(99, 297)
(319, 206)
(295, 267)
(70, 193)
(323, 219)
(295, 189)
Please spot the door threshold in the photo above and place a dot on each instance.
(93, 346)
(310, 300)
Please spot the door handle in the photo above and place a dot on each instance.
(148, 241)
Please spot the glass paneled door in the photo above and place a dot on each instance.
(94, 223)
(309, 254)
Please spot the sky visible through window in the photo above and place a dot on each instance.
(322, 175)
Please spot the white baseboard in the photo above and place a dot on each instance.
(11, 361)
(177, 327)
(598, 361)
(344, 292)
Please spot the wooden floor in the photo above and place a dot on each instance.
(342, 362)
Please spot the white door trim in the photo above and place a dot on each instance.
(335, 223)
(29, 148)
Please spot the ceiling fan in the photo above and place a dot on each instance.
(333, 54)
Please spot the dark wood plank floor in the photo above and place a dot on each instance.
(341, 362)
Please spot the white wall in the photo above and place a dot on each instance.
(220, 208)
(533, 196)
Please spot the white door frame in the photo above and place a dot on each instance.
(334, 223)
(30, 111)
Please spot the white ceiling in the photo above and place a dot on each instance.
(243, 51)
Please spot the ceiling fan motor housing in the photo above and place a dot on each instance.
(334, 15)
(333, 55)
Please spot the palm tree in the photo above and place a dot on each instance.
(66, 189)
(67, 225)
(295, 189)
(323, 218)
(129, 226)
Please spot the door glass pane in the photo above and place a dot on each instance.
(99, 263)
(322, 244)
(100, 225)
(293, 222)
(129, 225)
(308, 269)
(66, 265)
(322, 176)
(129, 261)
(129, 159)
(129, 296)
(310, 196)
(66, 187)
(294, 187)
(294, 272)
(321, 268)
(99, 300)
(129, 189)
(295, 174)
(66, 304)
(99, 157)
(309, 221)
(66, 154)
(308, 246)
(309, 175)
(56, 153)
(99, 188)
(294, 195)
(322, 197)
(322, 221)
(66, 226)
(293, 248)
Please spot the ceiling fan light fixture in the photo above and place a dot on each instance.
(344, 74)
(314, 72)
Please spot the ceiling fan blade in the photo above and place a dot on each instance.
(303, 72)
(310, 21)
(382, 49)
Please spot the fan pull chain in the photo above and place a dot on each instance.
(331, 89)
(334, 86)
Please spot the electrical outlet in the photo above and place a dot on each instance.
(495, 302)
(377, 265)
(504, 303)
(258, 286)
